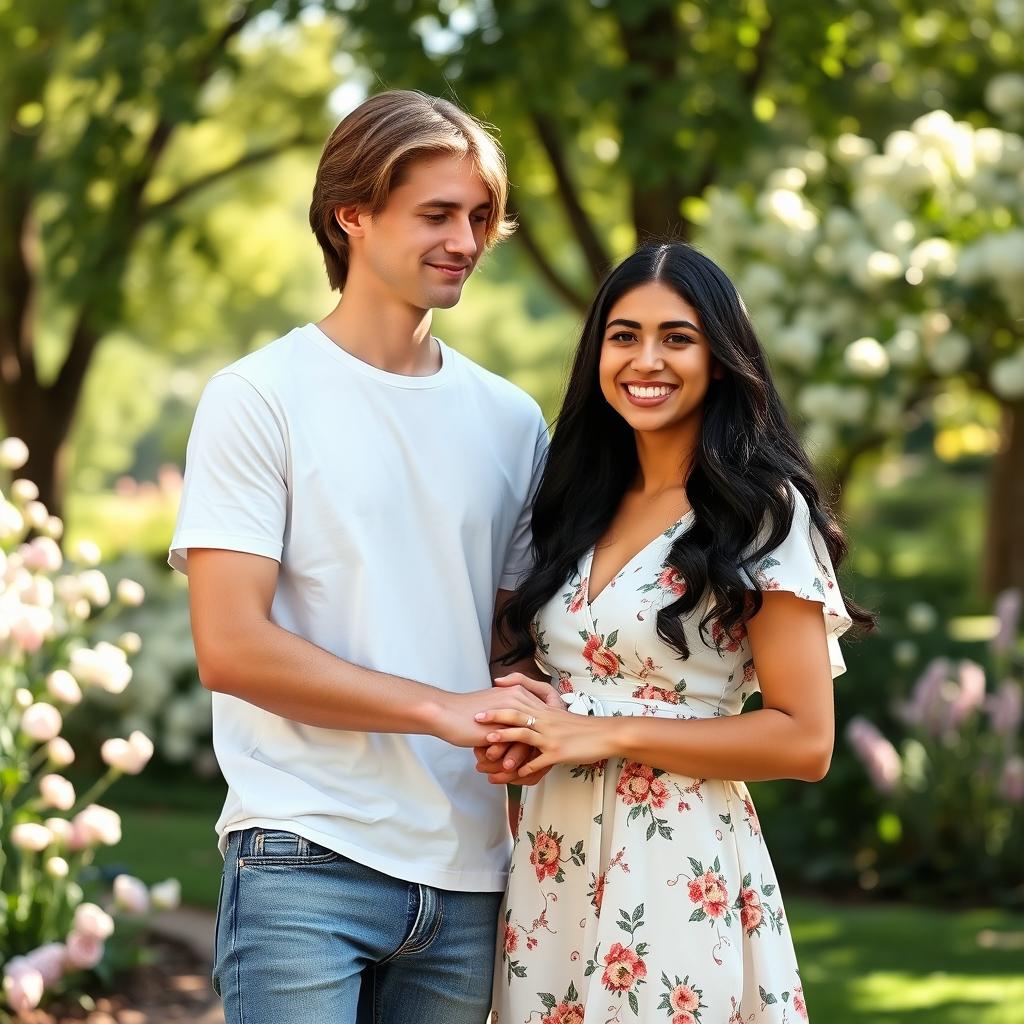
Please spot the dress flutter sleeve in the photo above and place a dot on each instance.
(802, 566)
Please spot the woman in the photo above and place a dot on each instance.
(684, 561)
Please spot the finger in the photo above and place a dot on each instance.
(496, 751)
(538, 764)
(492, 768)
(503, 716)
(532, 780)
(516, 756)
(514, 735)
(541, 688)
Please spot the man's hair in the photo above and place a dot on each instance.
(368, 153)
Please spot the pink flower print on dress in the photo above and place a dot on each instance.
(639, 784)
(602, 662)
(682, 1000)
(568, 1011)
(623, 969)
(670, 579)
(547, 851)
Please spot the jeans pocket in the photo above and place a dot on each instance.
(276, 847)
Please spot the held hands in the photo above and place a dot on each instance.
(555, 735)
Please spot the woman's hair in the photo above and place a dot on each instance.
(366, 155)
(747, 454)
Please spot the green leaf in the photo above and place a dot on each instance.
(698, 914)
(634, 1003)
(548, 1000)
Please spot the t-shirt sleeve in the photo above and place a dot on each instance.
(519, 559)
(802, 566)
(235, 493)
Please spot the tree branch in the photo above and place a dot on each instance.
(204, 180)
(547, 270)
(586, 235)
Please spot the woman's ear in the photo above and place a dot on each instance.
(351, 220)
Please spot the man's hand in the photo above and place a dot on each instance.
(502, 761)
(452, 716)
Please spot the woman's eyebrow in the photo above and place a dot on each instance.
(661, 327)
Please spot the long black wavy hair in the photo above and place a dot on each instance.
(736, 485)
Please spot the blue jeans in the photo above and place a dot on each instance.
(305, 934)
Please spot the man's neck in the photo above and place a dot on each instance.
(384, 332)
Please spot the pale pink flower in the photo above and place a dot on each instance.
(129, 756)
(131, 894)
(13, 453)
(84, 951)
(90, 919)
(104, 665)
(60, 752)
(30, 627)
(130, 593)
(59, 828)
(23, 985)
(57, 867)
(166, 895)
(95, 588)
(96, 824)
(879, 756)
(57, 792)
(36, 514)
(41, 722)
(39, 593)
(87, 552)
(31, 836)
(23, 490)
(50, 961)
(42, 554)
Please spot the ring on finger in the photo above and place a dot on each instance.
(531, 721)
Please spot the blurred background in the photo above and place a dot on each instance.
(857, 168)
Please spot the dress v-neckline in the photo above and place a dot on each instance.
(589, 601)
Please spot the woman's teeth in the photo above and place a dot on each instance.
(648, 392)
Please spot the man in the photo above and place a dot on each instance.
(356, 501)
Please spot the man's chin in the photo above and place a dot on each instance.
(444, 298)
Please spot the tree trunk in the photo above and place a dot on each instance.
(1004, 554)
(43, 424)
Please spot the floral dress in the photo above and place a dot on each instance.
(636, 894)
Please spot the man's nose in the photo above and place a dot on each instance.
(462, 240)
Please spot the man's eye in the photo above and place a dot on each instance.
(435, 218)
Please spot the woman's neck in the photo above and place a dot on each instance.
(664, 459)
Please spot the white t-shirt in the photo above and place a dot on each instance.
(397, 507)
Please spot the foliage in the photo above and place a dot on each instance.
(50, 609)
(953, 793)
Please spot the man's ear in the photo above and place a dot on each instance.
(351, 220)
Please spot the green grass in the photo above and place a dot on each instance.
(889, 964)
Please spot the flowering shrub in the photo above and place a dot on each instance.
(873, 272)
(953, 790)
(49, 610)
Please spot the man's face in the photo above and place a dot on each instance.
(426, 241)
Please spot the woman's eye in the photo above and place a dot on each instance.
(678, 338)
(622, 336)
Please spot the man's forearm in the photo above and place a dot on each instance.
(291, 677)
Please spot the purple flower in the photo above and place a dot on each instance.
(928, 704)
(878, 755)
(1007, 609)
(970, 693)
(1006, 708)
(1011, 785)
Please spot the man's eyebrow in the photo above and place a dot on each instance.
(450, 204)
(661, 327)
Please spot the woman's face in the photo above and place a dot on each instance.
(656, 364)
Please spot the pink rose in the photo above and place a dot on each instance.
(682, 997)
(651, 692)
(511, 939)
(750, 917)
(23, 985)
(638, 785)
(84, 951)
(798, 1001)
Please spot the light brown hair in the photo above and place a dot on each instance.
(366, 155)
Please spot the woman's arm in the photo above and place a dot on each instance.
(791, 737)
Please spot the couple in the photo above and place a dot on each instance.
(374, 527)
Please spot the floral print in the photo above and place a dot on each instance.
(638, 895)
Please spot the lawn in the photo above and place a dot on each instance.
(883, 964)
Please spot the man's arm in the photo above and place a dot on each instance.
(241, 652)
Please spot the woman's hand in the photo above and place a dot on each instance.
(502, 761)
(560, 736)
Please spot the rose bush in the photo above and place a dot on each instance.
(50, 610)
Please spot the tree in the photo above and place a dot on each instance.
(620, 118)
(94, 102)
